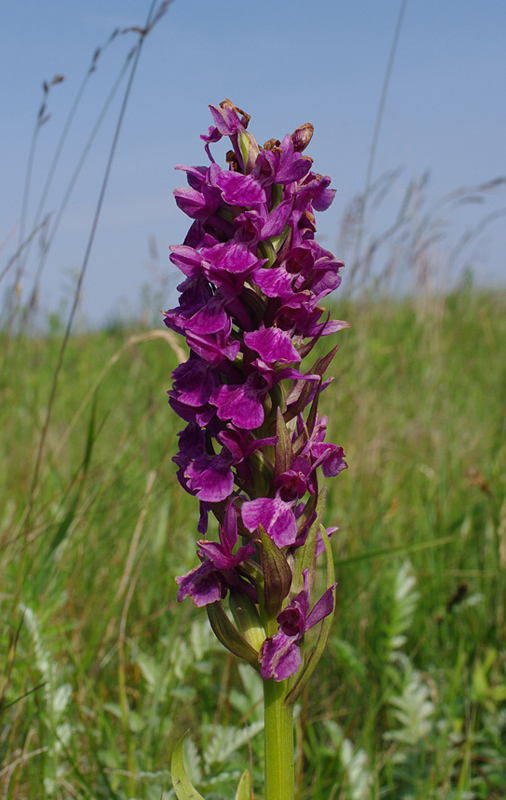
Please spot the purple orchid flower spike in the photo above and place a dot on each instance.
(254, 447)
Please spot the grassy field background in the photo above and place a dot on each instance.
(101, 671)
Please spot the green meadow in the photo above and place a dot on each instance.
(102, 671)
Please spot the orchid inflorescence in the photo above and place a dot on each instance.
(254, 442)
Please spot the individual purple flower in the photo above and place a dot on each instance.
(215, 347)
(242, 404)
(193, 382)
(240, 190)
(329, 456)
(296, 481)
(242, 444)
(273, 345)
(210, 581)
(275, 515)
(280, 654)
(210, 478)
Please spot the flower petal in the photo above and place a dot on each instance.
(280, 657)
(275, 515)
(202, 584)
(273, 345)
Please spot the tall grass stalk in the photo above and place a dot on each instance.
(153, 16)
(376, 133)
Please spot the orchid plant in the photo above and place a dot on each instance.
(254, 442)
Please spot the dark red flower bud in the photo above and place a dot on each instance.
(302, 136)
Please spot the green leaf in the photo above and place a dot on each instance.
(326, 625)
(64, 525)
(90, 439)
(244, 789)
(229, 636)
(183, 787)
(283, 451)
(277, 574)
(311, 420)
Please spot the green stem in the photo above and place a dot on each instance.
(279, 770)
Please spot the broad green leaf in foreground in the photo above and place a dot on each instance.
(244, 788)
(183, 787)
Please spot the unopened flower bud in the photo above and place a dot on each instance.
(302, 136)
(248, 150)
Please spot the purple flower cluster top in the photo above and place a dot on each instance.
(254, 443)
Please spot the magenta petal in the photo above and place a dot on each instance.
(315, 190)
(323, 607)
(240, 190)
(214, 348)
(187, 259)
(203, 517)
(227, 121)
(323, 196)
(230, 257)
(332, 461)
(198, 204)
(195, 293)
(292, 619)
(235, 441)
(275, 282)
(215, 553)
(210, 478)
(195, 176)
(228, 531)
(273, 345)
(293, 484)
(241, 443)
(199, 415)
(275, 515)
(277, 220)
(193, 382)
(280, 657)
(292, 165)
(191, 202)
(211, 318)
(243, 552)
(213, 135)
(242, 410)
(334, 464)
(242, 405)
(202, 584)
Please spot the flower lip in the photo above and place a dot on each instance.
(273, 345)
(275, 515)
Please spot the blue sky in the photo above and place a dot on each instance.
(285, 64)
